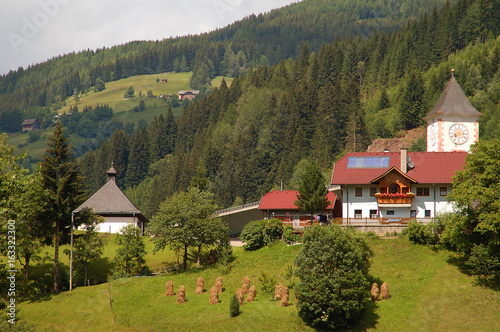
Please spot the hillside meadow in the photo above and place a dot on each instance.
(428, 293)
(122, 107)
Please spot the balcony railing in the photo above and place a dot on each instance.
(379, 221)
(394, 200)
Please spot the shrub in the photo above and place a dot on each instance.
(482, 263)
(268, 284)
(423, 234)
(273, 231)
(234, 306)
(259, 233)
(289, 236)
(332, 267)
(253, 235)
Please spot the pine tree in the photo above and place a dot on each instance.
(312, 191)
(63, 182)
(119, 154)
(138, 163)
(411, 107)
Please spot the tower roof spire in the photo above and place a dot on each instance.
(453, 101)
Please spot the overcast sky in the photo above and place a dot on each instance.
(32, 31)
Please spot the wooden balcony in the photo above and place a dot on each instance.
(394, 200)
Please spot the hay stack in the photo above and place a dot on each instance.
(218, 284)
(214, 295)
(181, 295)
(240, 294)
(375, 291)
(170, 288)
(277, 292)
(199, 286)
(246, 284)
(284, 296)
(252, 292)
(212, 256)
(384, 291)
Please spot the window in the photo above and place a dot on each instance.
(373, 191)
(368, 162)
(358, 214)
(423, 191)
(413, 213)
(394, 188)
(390, 212)
(427, 213)
(358, 192)
(443, 191)
(373, 214)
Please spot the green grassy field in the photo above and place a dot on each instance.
(122, 107)
(428, 293)
(113, 94)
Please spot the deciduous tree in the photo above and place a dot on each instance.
(475, 227)
(187, 220)
(332, 268)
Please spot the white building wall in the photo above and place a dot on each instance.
(434, 203)
(115, 224)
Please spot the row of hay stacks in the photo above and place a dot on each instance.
(383, 292)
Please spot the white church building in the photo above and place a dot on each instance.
(114, 206)
(397, 186)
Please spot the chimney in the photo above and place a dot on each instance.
(404, 160)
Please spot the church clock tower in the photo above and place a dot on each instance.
(453, 123)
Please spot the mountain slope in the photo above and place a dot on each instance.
(266, 38)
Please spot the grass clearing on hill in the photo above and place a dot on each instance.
(428, 293)
(122, 107)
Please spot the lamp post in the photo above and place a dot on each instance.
(71, 256)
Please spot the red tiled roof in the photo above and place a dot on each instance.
(284, 200)
(430, 167)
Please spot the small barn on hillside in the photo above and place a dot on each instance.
(31, 124)
(188, 94)
(114, 206)
(280, 204)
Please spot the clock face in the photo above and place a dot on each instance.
(459, 133)
(432, 134)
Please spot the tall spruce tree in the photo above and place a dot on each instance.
(138, 164)
(412, 104)
(312, 191)
(61, 179)
(119, 153)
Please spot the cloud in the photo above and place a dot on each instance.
(32, 31)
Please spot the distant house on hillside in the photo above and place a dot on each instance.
(280, 205)
(188, 94)
(31, 124)
(114, 206)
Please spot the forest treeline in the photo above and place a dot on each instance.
(242, 140)
(264, 39)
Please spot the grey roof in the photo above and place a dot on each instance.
(453, 102)
(29, 122)
(110, 200)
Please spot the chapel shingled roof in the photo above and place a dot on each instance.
(453, 101)
(110, 199)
